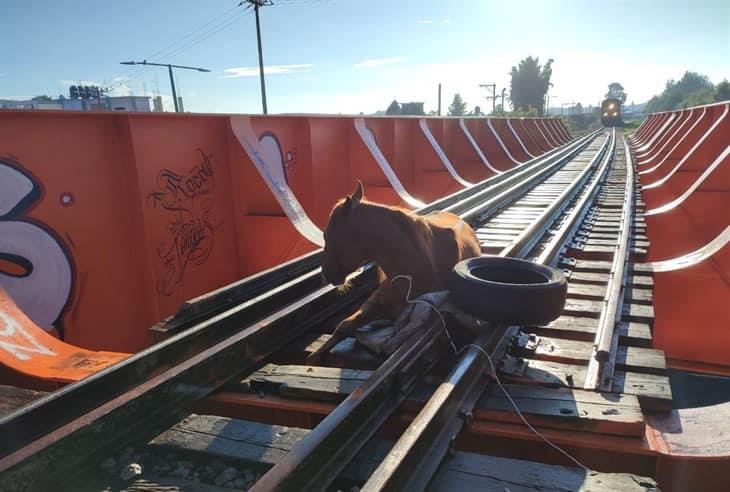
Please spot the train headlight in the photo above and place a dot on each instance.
(614, 113)
(605, 114)
(610, 106)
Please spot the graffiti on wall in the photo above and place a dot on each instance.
(188, 199)
(281, 164)
(35, 268)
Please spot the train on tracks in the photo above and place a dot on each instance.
(226, 240)
(611, 112)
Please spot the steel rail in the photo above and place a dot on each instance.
(21, 428)
(63, 405)
(316, 461)
(157, 403)
(596, 376)
(550, 255)
(443, 415)
(233, 306)
(215, 302)
(202, 307)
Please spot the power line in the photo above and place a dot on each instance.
(217, 27)
(161, 51)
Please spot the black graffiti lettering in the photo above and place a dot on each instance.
(191, 234)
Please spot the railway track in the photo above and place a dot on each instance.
(575, 208)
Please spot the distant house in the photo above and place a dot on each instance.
(412, 108)
(99, 103)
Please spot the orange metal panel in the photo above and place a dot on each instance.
(460, 152)
(691, 305)
(488, 144)
(500, 125)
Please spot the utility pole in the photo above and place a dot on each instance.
(494, 94)
(169, 69)
(439, 110)
(256, 5)
(504, 89)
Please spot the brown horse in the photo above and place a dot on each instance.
(426, 248)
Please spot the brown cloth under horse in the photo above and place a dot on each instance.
(426, 248)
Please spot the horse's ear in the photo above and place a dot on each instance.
(357, 194)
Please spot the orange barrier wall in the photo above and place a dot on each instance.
(670, 132)
(563, 129)
(110, 221)
(672, 145)
(527, 137)
(460, 151)
(537, 134)
(488, 144)
(649, 121)
(692, 312)
(500, 125)
(642, 138)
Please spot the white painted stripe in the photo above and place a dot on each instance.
(504, 147)
(540, 123)
(476, 148)
(691, 151)
(695, 257)
(369, 141)
(670, 139)
(652, 169)
(559, 130)
(656, 135)
(678, 201)
(242, 129)
(544, 135)
(517, 137)
(652, 150)
(439, 152)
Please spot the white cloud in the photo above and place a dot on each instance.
(446, 21)
(2, 75)
(378, 62)
(235, 72)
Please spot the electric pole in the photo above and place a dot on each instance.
(439, 110)
(504, 89)
(257, 4)
(169, 69)
(494, 94)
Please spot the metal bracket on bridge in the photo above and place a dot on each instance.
(524, 344)
(513, 366)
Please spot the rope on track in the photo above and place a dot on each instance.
(494, 372)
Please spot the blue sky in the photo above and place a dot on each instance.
(347, 56)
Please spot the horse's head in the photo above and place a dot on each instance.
(343, 252)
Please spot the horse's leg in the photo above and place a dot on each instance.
(386, 302)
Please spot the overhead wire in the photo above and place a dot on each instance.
(165, 54)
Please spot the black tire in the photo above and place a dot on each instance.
(508, 290)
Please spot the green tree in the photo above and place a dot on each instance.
(722, 91)
(691, 89)
(458, 106)
(530, 82)
(616, 90)
(393, 109)
(498, 111)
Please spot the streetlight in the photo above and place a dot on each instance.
(169, 68)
